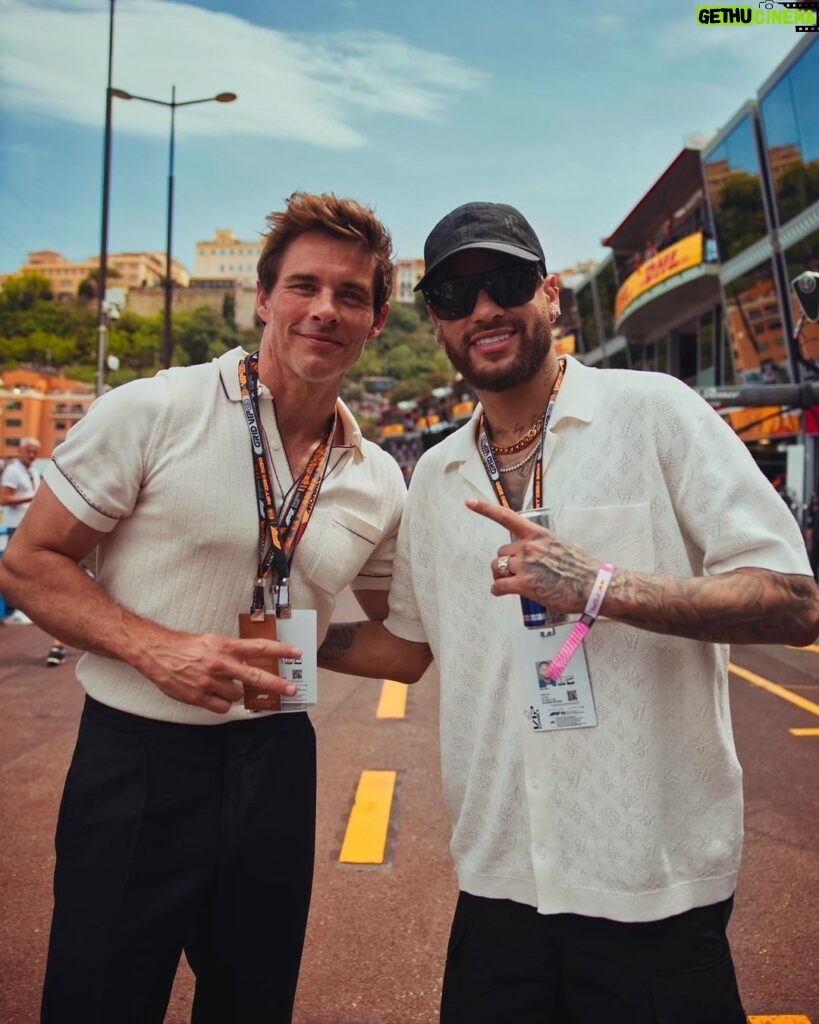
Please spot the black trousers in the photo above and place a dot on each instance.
(507, 964)
(175, 837)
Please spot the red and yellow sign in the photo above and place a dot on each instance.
(767, 420)
(392, 430)
(425, 422)
(462, 409)
(671, 261)
(566, 345)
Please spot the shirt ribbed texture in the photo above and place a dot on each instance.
(164, 467)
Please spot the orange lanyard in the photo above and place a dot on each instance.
(279, 533)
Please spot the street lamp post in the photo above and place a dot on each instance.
(173, 104)
(102, 311)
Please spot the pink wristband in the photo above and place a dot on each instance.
(587, 620)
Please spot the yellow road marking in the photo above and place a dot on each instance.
(366, 837)
(807, 647)
(804, 732)
(780, 691)
(788, 1018)
(393, 702)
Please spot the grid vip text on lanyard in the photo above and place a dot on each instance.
(279, 533)
(488, 458)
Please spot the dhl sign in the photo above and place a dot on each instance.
(671, 261)
(753, 423)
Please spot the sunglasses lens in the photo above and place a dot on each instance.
(512, 286)
(508, 286)
(451, 300)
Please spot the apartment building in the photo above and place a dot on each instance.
(126, 269)
(41, 404)
(226, 257)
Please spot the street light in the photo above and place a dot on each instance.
(102, 313)
(222, 97)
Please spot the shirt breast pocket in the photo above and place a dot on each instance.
(347, 543)
(620, 534)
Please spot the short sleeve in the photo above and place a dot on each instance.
(404, 619)
(723, 501)
(97, 472)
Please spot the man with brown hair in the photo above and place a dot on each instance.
(186, 822)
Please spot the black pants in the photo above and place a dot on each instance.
(507, 964)
(175, 837)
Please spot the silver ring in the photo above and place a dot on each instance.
(503, 565)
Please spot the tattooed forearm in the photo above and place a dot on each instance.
(742, 607)
(339, 642)
(368, 649)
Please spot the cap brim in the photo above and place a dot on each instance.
(510, 250)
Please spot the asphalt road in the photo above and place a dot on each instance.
(377, 934)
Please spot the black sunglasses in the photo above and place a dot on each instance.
(507, 286)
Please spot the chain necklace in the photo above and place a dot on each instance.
(522, 442)
(518, 465)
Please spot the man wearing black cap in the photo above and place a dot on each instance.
(597, 824)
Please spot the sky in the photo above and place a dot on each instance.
(568, 111)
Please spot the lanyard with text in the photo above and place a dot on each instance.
(489, 460)
(285, 530)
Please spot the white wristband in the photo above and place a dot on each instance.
(587, 620)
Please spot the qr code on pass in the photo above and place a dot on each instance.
(571, 695)
(296, 674)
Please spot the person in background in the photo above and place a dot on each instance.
(19, 481)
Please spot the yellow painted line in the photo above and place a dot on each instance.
(788, 1018)
(807, 647)
(804, 732)
(366, 837)
(780, 691)
(393, 702)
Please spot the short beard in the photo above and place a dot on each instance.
(533, 350)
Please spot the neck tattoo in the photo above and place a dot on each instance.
(523, 442)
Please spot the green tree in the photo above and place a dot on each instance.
(22, 291)
(202, 334)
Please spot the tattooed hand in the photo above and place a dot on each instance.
(748, 605)
(542, 566)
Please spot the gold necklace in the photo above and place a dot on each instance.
(518, 465)
(522, 442)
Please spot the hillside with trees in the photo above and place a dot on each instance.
(36, 330)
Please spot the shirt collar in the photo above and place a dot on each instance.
(576, 400)
(228, 364)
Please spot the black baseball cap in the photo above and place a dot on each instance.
(493, 226)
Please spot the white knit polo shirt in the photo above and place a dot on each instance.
(640, 817)
(163, 466)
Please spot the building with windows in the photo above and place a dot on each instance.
(762, 176)
(37, 403)
(408, 272)
(125, 269)
(226, 258)
(698, 281)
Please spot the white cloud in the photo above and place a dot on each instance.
(317, 89)
(754, 46)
